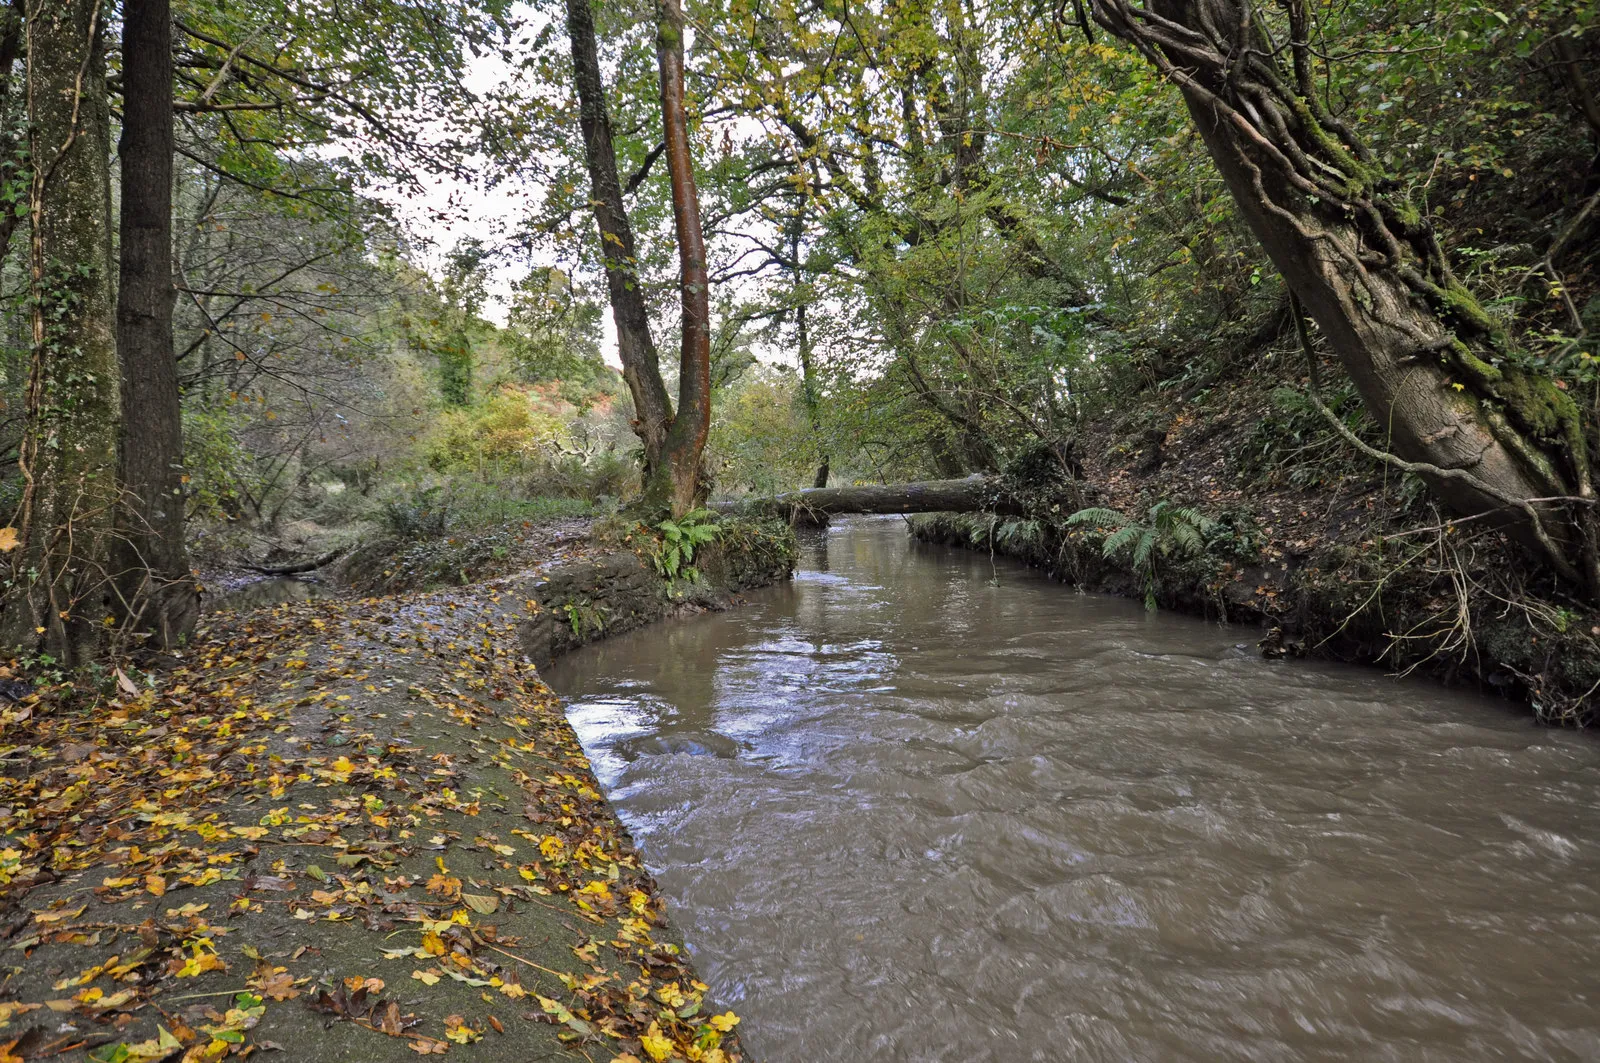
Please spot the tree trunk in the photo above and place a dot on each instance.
(809, 394)
(636, 348)
(60, 590)
(973, 494)
(1365, 263)
(12, 157)
(686, 439)
(155, 588)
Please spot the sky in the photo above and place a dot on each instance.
(450, 209)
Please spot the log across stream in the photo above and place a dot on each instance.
(919, 805)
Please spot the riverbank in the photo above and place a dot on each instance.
(347, 829)
(1328, 554)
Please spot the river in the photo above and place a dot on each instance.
(921, 805)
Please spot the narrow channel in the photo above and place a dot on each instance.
(921, 805)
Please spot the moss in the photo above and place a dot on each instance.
(1480, 373)
(1533, 406)
(1359, 177)
(1464, 307)
(1407, 212)
(1538, 405)
(1541, 408)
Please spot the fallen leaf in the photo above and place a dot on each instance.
(480, 903)
(275, 983)
(657, 1046)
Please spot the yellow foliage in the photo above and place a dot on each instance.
(508, 426)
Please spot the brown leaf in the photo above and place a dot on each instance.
(480, 903)
(274, 982)
(427, 1046)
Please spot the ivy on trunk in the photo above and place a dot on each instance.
(1489, 433)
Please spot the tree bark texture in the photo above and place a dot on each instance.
(691, 425)
(636, 348)
(156, 591)
(1366, 264)
(60, 587)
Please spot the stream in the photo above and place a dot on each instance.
(924, 805)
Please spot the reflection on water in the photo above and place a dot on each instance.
(920, 807)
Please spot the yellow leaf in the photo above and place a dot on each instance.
(658, 1047)
(426, 977)
(9, 540)
(725, 1022)
(456, 1028)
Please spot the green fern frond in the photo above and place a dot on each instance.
(1144, 549)
(1120, 539)
(1184, 538)
(1099, 516)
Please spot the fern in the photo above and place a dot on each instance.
(1020, 533)
(1168, 530)
(681, 539)
(1100, 517)
(1117, 541)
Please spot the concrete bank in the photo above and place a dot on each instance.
(348, 830)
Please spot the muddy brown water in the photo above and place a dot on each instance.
(922, 806)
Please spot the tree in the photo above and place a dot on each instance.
(155, 589)
(636, 348)
(59, 588)
(678, 478)
(1488, 434)
(673, 440)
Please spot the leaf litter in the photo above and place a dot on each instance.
(332, 827)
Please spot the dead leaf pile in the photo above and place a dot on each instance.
(324, 803)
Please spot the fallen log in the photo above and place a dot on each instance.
(924, 496)
(297, 567)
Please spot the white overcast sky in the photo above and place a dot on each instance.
(450, 209)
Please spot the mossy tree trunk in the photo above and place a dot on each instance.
(1431, 366)
(60, 588)
(13, 130)
(159, 594)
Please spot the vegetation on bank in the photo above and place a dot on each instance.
(1243, 504)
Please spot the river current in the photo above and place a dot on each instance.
(924, 805)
